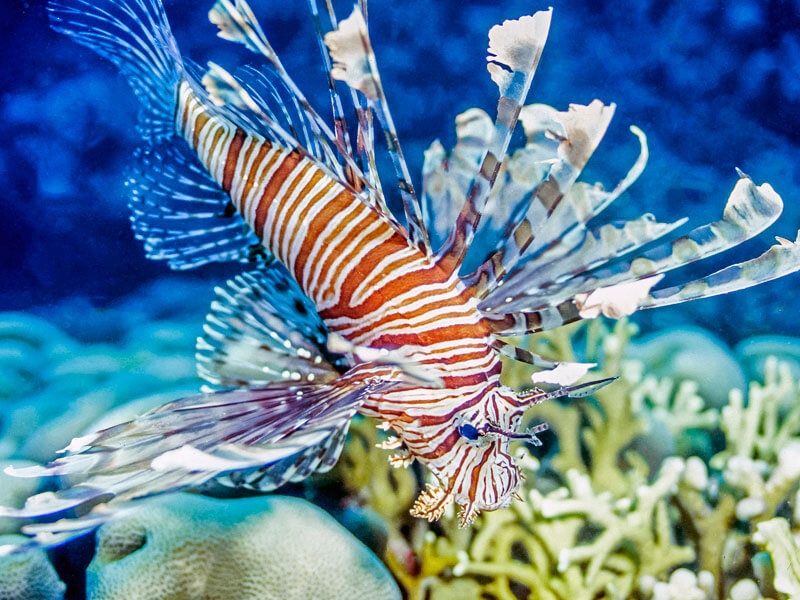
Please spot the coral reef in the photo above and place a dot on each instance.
(14, 491)
(657, 487)
(645, 491)
(694, 354)
(273, 548)
(28, 575)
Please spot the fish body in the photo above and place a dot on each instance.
(373, 287)
(350, 308)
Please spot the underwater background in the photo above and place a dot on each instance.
(90, 326)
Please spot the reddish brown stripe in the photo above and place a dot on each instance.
(276, 181)
(232, 158)
(476, 473)
(277, 236)
(317, 225)
(303, 195)
(346, 254)
(376, 298)
(345, 223)
(211, 148)
(251, 174)
(199, 121)
(301, 226)
(444, 447)
(185, 115)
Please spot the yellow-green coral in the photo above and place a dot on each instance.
(620, 507)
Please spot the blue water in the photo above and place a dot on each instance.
(714, 84)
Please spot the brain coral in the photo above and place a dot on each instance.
(28, 575)
(188, 547)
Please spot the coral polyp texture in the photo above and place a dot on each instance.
(645, 492)
(273, 548)
(28, 575)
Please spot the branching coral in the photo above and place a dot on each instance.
(620, 506)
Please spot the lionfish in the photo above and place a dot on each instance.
(350, 308)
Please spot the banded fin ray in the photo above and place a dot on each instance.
(340, 124)
(237, 23)
(253, 107)
(534, 321)
(365, 135)
(136, 38)
(598, 247)
(181, 214)
(193, 440)
(447, 176)
(781, 259)
(750, 209)
(582, 202)
(262, 328)
(515, 48)
(615, 301)
(551, 211)
(354, 63)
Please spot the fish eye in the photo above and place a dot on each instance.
(468, 431)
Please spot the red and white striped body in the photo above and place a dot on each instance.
(374, 288)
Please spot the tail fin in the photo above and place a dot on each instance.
(135, 36)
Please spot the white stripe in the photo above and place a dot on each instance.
(208, 127)
(263, 174)
(295, 234)
(290, 208)
(319, 202)
(239, 171)
(276, 204)
(363, 291)
(245, 175)
(424, 294)
(223, 147)
(321, 243)
(345, 262)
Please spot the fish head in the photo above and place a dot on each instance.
(477, 472)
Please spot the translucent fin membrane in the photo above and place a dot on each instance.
(135, 37)
(262, 328)
(283, 432)
(181, 215)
